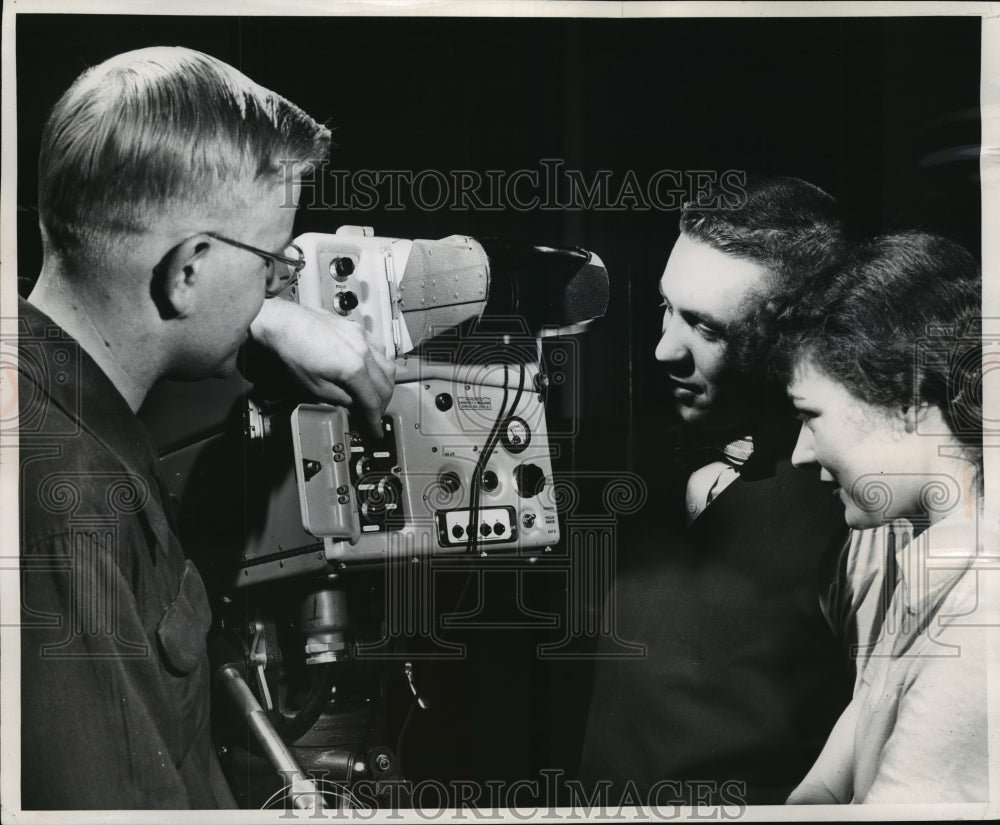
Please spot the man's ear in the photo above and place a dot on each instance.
(178, 277)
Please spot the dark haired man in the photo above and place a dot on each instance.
(165, 177)
(743, 676)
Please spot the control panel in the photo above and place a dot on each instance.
(461, 466)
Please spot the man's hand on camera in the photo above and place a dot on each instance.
(335, 359)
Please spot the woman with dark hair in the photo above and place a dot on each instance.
(884, 365)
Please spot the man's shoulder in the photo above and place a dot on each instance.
(69, 412)
(69, 477)
(786, 523)
(786, 494)
(67, 482)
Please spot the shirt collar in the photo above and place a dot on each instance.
(932, 562)
(64, 374)
(773, 441)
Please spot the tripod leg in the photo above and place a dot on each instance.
(302, 791)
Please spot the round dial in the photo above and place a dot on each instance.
(516, 435)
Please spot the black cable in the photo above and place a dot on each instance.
(473, 537)
(490, 446)
(520, 389)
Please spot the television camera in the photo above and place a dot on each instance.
(462, 468)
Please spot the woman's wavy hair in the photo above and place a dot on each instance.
(899, 324)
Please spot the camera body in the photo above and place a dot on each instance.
(464, 463)
(401, 291)
(323, 556)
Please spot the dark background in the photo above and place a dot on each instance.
(883, 113)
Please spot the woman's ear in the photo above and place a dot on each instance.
(180, 276)
(923, 417)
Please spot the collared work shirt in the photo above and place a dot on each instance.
(114, 669)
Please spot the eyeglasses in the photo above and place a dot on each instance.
(280, 276)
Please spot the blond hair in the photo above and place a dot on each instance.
(158, 129)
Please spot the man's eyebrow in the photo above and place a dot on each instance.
(705, 318)
(695, 316)
(800, 404)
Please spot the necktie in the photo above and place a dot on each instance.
(706, 483)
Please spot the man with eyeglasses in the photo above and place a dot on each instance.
(165, 180)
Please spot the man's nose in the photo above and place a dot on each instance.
(671, 346)
(804, 453)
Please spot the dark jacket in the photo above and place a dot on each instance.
(742, 677)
